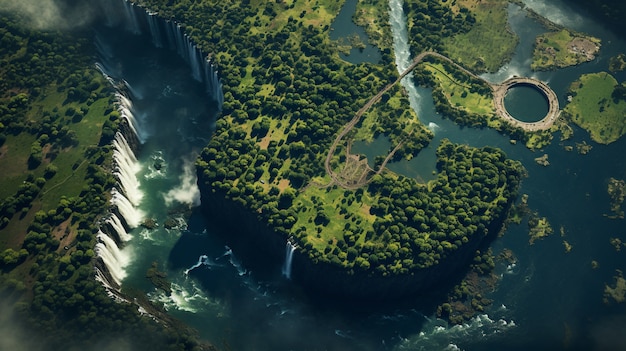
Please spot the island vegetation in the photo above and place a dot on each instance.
(617, 292)
(473, 33)
(583, 148)
(467, 299)
(617, 244)
(567, 246)
(542, 160)
(563, 48)
(617, 63)
(373, 17)
(538, 228)
(597, 103)
(617, 193)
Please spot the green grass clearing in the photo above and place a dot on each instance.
(338, 208)
(490, 43)
(459, 94)
(562, 49)
(593, 108)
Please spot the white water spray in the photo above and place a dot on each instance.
(402, 50)
(100, 67)
(125, 109)
(433, 127)
(126, 169)
(118, 227)
(131, 215)
(436, 335)
(187, 191)
(289, 250)
(187, 296)
(114, 259)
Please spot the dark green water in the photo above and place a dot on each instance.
(525, 103)
(343, 27)
(546, 296)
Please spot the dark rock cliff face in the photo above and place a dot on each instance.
(252, 241)
(131, 138)
(255, 243)
(330, 280)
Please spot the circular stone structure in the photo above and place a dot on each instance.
(500, 90)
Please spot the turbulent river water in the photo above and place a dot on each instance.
(549, 299)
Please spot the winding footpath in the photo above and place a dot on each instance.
(499, 92)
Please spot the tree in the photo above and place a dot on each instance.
(10, 257)
(619, 93)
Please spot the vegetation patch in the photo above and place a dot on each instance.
(617, 63)
(617, 243)
(373, 16)
(468, 299)
(617, 193)
(597, 103)
(519, 211)
(461, 92)
(617, 292)
(539, 228)
(489, 43)
(562, 49)
(583, 148)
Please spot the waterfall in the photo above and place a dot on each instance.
(289, 250)
(433, 127)
(131, 22)
(126, 168)
(155, 29)
(165, 34)
(127, 196)
(125, 107)
(102, 70)
(118, 227)
(129, 213)
(402, 50)
(114, 259)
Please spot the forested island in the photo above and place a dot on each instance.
(598, 104)
(562, 48)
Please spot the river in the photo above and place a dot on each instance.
(549, 299)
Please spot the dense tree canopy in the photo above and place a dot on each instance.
(275, 133)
